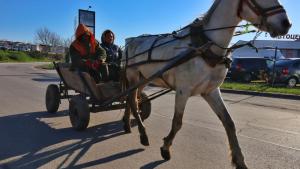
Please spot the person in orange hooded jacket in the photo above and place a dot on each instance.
(87, 55)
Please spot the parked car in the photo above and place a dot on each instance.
(286, 71)
(3, 48)
(248, 69)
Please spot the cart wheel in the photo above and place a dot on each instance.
(145, 108)
(52, 98)
(79, 113)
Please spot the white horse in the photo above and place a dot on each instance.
(203, 74)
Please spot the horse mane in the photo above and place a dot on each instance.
(206, 17)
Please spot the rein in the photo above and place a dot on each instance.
(174, 34)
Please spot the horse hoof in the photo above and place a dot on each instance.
(133, 123)
(127, 129)
(166, 155)
(239, 164)
(144, 140)
(242, 167)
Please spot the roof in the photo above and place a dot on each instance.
(261, 53)
(281, 44)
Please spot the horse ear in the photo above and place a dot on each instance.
(240, 9)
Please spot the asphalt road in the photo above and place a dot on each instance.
(268, 131)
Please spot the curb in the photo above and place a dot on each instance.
(253, 93)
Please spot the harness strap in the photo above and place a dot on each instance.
(149, 62)
(126, 55)
(179, 59)
(258, 10)
(213, 60)
(152, 47)
(165, 81)
(198, 39)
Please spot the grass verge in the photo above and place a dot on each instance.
(48, 66)
(260, 87)
(20, 56)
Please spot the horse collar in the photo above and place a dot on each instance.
(198, 39)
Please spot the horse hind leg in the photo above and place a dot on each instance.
(132, 98)
(127, 112)
(180, 102)
(216, 102)
(126, 119)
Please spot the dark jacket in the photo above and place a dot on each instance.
(113, 53)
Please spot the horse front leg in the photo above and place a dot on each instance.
(216, 102)
(180, 102)
(132, 98)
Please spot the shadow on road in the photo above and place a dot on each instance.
(46, 79)
(241, 100)
(28, 142)
(153, 165)
(108, 159)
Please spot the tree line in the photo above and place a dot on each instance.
(47, 37)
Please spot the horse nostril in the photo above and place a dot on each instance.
(286, 23)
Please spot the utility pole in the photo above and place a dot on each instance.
(274, 62)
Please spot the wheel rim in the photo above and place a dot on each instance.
(292, 82)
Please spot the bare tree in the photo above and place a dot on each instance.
(75, 24)
(45, 37)
(67, 42)
(55, 40)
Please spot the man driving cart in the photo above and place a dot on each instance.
(87, 55)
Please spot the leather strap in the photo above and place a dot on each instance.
(258, 10)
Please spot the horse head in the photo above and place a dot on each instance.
(267, 15)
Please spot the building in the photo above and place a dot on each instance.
(20, 46)
(5, 45)
(57, 50)
(286, 49)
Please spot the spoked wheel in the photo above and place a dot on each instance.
(145, 107)
(52, 98)
(292, 82)
(79, 113)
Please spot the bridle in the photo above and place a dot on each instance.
(260, 11)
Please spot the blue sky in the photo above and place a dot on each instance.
(19, 19)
